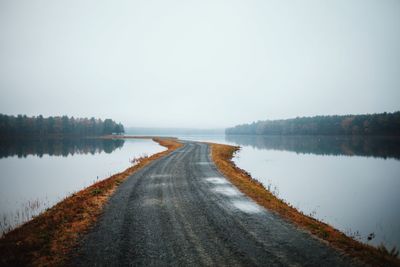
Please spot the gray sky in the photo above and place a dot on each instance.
(199, 63)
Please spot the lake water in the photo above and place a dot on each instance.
(350, 183)
(36, 175)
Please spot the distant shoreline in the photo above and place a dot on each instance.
(386, 124)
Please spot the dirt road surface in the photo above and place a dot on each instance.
(180, 211)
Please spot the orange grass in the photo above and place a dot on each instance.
(47, 239)
(222, 156)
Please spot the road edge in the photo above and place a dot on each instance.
(47, 239)
(222, 156)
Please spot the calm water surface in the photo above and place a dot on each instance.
(36, 175)
(352, 184)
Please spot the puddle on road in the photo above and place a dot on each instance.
(227, 190)
(216, 180)
(160, 175)
(246, 206)
(151, 202)
(158, 185)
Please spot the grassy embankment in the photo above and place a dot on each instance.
(222, 156)
(47, 239)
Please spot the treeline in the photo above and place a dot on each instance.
(22, 126)
(369, 124)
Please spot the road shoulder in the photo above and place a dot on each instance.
(222, 156)
(47, 239)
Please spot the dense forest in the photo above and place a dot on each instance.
(369, 124)
(22, 126)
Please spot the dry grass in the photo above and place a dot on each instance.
(49, 237)
(134, 137)
(222, 156)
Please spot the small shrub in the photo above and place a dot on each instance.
(96, 191)
(394, 252)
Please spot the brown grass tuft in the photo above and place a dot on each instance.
(47, 239)
(222, 156)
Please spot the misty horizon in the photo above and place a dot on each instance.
(168, 129)
(215, 132)
(199, 64)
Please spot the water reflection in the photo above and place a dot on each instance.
(57, 147)
(351, 183)
(37, 174)
(382, 147)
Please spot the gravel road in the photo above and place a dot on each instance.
(180, 211)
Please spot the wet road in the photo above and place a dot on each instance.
(180, 211)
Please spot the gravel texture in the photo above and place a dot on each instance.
(180, 211)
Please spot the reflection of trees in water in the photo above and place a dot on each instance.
(57, 147)
(383, 147)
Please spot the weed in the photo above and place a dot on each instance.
(136, 160)
(324, 233)
(25, 212)
(355, 235)
(394, 252)
(371, 236)
(96, 191)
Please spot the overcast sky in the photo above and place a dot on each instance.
(199, 63)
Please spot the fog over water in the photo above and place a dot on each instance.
(204, 64)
